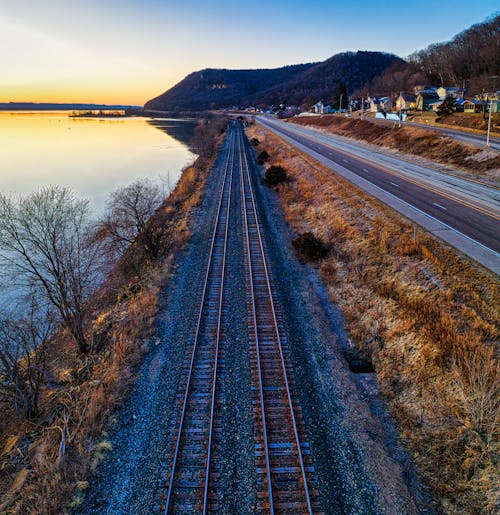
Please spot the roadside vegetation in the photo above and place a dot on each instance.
(423, 317)
(275, 175)
(480, 164)
(69, 356)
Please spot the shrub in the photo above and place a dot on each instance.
(309, 247)
(255, 142)
(275, 175)
(263, 156)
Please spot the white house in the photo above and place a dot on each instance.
(320, 108)
(405, 102)
(445, 92)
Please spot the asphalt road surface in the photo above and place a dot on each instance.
(472, 227)
(478, 140)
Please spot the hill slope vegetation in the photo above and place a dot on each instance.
(292, 85)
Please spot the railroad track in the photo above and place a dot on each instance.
(190, 474)
(284, 470)
(284, 466)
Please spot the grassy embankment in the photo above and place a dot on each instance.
(44, 463)
(477, 163)
(426, 318)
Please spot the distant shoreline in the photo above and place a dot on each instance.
(46, 106)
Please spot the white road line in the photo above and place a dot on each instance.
(394, 184)
(439, 206)
(345, 160)
(365, 170)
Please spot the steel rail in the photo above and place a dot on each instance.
(217, 340)
(230, 156)
(276, 328)
(256, 336)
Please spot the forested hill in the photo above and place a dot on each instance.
(216, 88)
(293, 85)
(471, 58)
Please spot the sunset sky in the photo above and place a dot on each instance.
(128, 51)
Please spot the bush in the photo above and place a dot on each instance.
(263, 156)
(275, 175)
(309, 247)
(255, 142)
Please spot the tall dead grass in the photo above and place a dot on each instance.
(425, 317)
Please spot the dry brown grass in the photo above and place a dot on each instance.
(43, 465)
(420, 142)
(427, 318)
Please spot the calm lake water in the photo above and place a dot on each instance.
(92, 156)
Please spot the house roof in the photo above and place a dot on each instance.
(428, 94)
(408, 97)
(452, 88)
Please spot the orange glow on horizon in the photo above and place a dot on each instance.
(82, 93)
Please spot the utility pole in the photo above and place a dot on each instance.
(400, 99)
(340, 110)
(491, 109)
(489, 123)
(362, 106)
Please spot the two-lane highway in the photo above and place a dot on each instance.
(461, 212)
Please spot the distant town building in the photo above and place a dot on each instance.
(320, 108)
(379, 104)
(406, 102)
(469, 106)
(424, 99)
(445, 92)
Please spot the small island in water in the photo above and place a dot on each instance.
(101, 113)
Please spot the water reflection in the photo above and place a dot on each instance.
(93, 156)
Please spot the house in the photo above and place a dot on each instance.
(320, 108)
(405, 102)
(424, 99)
(469, 106)
(379, 104)
(445, 92)
(420, 89)
(373, 104)
(386, 103)
(492, 98)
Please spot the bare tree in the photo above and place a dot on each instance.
(22, 358)
(128, 211)
(44, 245)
